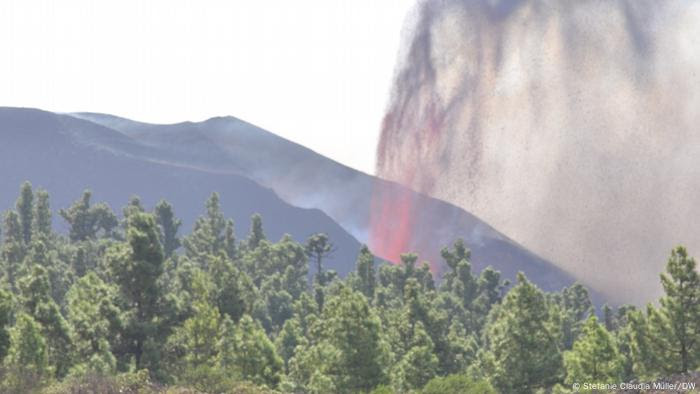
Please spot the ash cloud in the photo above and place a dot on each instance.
(571, 126)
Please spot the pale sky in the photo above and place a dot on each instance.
(315, 72)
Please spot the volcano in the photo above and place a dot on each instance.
(367, 207)
(296, 190)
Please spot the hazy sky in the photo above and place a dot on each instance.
(316, 72)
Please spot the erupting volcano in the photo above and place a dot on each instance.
(571, 126)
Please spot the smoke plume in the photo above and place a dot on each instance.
(571, 126)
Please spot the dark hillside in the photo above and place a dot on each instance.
(62, 155)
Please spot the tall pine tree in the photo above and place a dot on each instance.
(675, 326)
(522, 351)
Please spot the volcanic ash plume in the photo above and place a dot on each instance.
(571, 126)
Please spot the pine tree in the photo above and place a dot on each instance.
(457, 384)
(459, 280)
(491, 289)
(311, 369)
(287, 341)
(366, 272)
(96, 321)
(594, 357)
(233, 290)
(42, 214)
(216, 221)
(230, 240)
(418, 315)
(169, 226)
(644, 360)
(255, 356)
(208, 238)
(198, 339)
(27, 367)
(277, 302)
(460, 288)
(6, 304)
(608, 318)
(134, 206)
(35, 291)
(86, 221)
(136, 267)
(675, 326)
(319, 247)
(459, 253)
(79, 218)
(256, 232)
(231, 311)
(521, 342)
(25, 209)
(576, 307)
(292, 262)
(624, 339)
(418, 363)
(200, 243)
(350, 334)
(13, 250)
(467, 299)
(306, 313)
(42, 252)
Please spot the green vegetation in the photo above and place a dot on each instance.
(130, 305)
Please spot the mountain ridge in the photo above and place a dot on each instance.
(242, 154)
(308, 179)
(66, 164)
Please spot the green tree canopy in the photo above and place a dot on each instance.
(169, 225)
(594, 357)
(675, 326)
(521, 342)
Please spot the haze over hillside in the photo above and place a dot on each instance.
(63, 154)
(570, 126)
(184, 162)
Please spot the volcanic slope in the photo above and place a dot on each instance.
(66, 155)
(389, 217)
